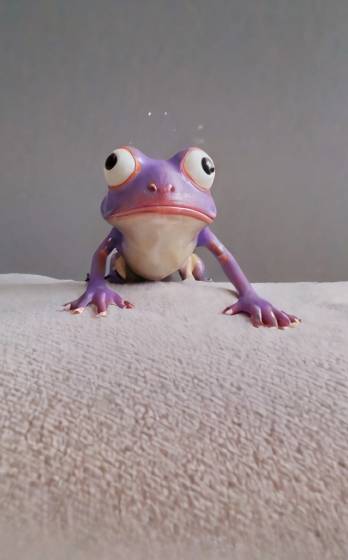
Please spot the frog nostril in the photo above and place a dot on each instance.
(152, 187)
(171, 188)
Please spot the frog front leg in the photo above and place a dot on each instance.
(260, 311)
(97, 292)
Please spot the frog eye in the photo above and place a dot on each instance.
(119, 167)
(199, 167)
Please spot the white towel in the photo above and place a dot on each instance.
(171, 423)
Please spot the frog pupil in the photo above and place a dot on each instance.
(110, 161)
(208, 165)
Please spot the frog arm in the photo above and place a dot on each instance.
(98, 264)
(97, 291)
(260, 311)
(228, 263)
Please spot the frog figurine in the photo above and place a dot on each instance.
(160, 211)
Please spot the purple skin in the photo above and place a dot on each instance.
(162, 188)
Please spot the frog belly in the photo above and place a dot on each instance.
(156, 245)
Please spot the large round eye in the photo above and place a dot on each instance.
(199, 167)
(119, 167)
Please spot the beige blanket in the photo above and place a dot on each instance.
(170, 430)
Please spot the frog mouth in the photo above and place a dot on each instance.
(165, 210)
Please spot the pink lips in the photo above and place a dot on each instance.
(163, 209)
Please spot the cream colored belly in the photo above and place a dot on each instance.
(156, 245)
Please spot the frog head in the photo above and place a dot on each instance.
(139, 185)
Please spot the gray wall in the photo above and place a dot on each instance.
(267, 79)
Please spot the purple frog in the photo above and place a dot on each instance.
(160, 211)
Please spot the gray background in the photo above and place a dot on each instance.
(266, 79)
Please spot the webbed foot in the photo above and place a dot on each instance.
(262, 312)
(101, 297)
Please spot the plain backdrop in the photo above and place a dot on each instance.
(262, 85)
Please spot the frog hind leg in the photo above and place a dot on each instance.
(120, 272)
(193, 269)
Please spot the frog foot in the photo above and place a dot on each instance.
(262, 313)
(101, 297)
